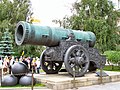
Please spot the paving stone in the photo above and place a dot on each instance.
(63, 81)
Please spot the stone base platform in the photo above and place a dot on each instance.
(63, 80)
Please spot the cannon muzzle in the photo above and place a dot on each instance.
(27, 33)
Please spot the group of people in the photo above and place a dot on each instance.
(30, 62)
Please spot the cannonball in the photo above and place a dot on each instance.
(19, 69)
(27, 80)
(9, 80)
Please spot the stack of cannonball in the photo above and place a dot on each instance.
(19, 75)
(9, 80)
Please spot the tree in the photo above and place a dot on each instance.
(98, 16)
(11, 12)
(6, 46)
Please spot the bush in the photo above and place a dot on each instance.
(113, 56)
(118, 47)
(108, 68)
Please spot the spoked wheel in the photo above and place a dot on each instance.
(76, 60)
(50, 67)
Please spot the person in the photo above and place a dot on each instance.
(24, 61)
(37, 65)
(28, 60)
(1, 63)
(5, 64)
(31, 59)
(16, 60)
(1, 68)
(34, 64)
(21, 58)
(11, 62)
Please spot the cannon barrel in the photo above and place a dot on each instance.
(27, 33)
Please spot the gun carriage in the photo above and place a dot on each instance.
(74, 48)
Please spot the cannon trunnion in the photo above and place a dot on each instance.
(71, 47)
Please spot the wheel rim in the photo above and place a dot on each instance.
(76, 60)
(50, 67)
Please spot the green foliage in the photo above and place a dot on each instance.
(98, 16)
(108, 68)
(21, 86)
(29, 50)
(118, 47)
(11, 12)
(113, 56)
(6, 47)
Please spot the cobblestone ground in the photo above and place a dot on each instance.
(36, 88)
(106, 86)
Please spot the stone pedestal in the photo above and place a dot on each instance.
(64, 81)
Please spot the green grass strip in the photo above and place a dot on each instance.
(17, 86)
(109, 68)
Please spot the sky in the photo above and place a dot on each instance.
(48, 10)
(115, 3)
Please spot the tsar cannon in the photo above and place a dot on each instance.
(74, 48)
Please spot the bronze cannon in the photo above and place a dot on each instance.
(74, 48)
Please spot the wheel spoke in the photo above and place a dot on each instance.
(47, 64)
(82, 55)
(77, 69)
(80, 66)
(72, 65)
(84, 62)
(83, 68)
(50, 67)
(76, 59)
(73, 54)
(78, 53)
(71, 60)
(56, 65)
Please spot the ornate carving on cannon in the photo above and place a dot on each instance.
(74, 48)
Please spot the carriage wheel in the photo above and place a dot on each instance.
(50, 67)
(76, 60)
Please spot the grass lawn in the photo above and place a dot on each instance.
(17, 86)
(109, 68)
